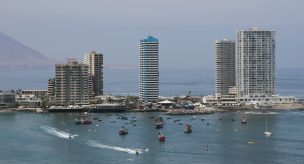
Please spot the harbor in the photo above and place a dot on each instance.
(215, 138)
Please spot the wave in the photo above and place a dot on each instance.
(262, 113)
(116, 148)
(57, 132)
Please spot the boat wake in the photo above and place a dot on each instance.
(262, 113)
(58, 133)
(120, 149)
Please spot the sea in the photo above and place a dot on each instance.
(49, 138)
(173, 82)
(44, 139)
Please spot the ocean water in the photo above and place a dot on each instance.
(44, 138)
(172, 82)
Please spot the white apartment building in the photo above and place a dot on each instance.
(255, 63)
(148, 70)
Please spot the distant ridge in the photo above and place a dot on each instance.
(14, 55)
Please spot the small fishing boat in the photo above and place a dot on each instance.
(187, 128)
(83, 120)
(244, 120)
(122, 117)
(123, 131)
(159, 124)
(161, 137)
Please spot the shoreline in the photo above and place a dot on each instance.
(32, 110)
(200, 111)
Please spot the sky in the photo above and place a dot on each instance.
(186, 29)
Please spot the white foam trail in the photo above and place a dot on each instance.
(57, 132)
(262, 113)
(116, 148)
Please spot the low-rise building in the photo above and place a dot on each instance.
(28, 102)
(7, 100)
(263, 100)
(34, 93)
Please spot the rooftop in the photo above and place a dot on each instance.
(149, 39)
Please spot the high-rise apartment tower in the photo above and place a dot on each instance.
(95, 62)
(225, 66)
(255, 61)
(71, 83)
(148, 70)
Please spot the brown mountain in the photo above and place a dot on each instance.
(15, 55)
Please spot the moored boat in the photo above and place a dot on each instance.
(187, 128)
(161, 137)
(244, 120)
(83, 120)
(123, 131)
(159, 124)
(122, 117)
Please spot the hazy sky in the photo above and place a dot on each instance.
(186, 29)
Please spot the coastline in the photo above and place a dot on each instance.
(197, 111)
(33, 110)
